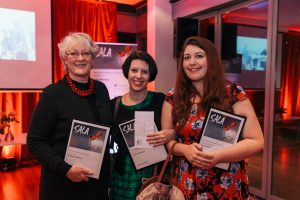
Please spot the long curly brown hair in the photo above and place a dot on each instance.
(214, 90)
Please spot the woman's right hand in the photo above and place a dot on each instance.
(161, 137)
(194, 154)
(78, 174)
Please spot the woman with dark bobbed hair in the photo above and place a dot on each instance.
(139, 68)
(140, 55)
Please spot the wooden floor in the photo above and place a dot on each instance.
(23, 183)
(286, 166)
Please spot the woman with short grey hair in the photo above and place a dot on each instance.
(76, 96)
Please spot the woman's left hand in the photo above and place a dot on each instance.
(160, 137)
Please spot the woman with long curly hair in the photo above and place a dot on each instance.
(200, 84)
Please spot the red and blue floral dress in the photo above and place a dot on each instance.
(216, 183)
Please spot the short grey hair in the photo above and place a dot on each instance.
(65, 43)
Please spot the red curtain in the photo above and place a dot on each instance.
(90, 16)
(99, 19)
(290, 94)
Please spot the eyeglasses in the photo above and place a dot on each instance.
(75, 55)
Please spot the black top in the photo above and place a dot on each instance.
(153, 102)
(48, 136)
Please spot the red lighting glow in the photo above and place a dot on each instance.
(231, 16)
(294, 29)
(128, 2)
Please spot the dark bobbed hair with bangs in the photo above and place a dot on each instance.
(214, 90)
(140, 55)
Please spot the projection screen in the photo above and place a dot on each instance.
(25, 44)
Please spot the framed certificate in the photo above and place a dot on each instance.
(221, 129)
(86, 146)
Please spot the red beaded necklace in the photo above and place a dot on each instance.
(82, 93)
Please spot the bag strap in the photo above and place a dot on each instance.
(161, 174)
(116, 108)
(155, 170)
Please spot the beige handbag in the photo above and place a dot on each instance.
(154, 189)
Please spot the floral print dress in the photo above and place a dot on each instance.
(199, 184)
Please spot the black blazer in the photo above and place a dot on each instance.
(48, 135)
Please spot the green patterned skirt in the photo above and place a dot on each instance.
(126, 186)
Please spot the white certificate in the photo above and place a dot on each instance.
(220, 129)
(144, 124)
(142, 157)
(86, 146)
